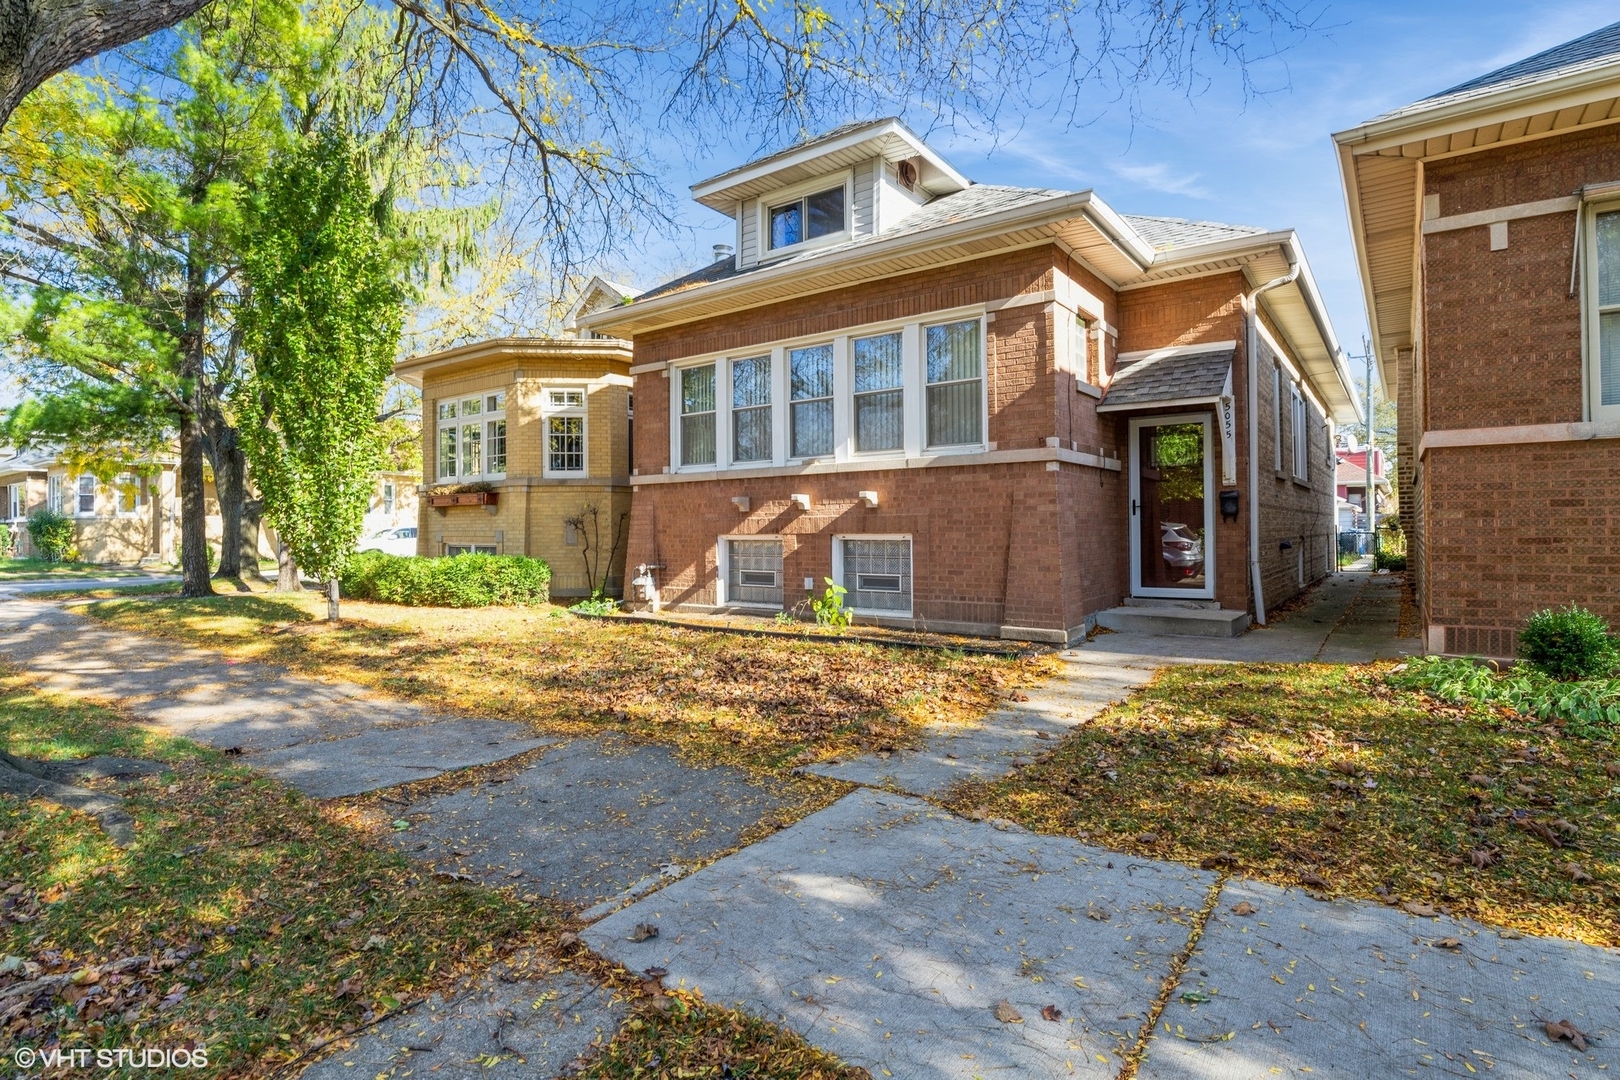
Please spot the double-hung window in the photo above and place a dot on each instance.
(472, 437)
(86, 502)
(53, 494)
(1301, 432)
(127, 489)
(14, 501)
(955, 370)
(809, 217)
(565, 432)
(697, 415)
(810, 388)
(751, 409)
(388, 497)
(879, 397)
(1603, 295)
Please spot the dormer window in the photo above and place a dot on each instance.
(811, 216)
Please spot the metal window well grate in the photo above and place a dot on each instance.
(754, 575)
(877, 574)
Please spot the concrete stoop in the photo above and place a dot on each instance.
(1174, 620)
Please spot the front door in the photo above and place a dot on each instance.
(1172, 515)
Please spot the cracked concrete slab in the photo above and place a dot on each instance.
(588, 821)
(390, 756)
(1003, 740)
(1352, 990)
(504, 1025)
(885, 930)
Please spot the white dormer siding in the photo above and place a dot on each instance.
(747, 232)
(894, 202)
(863, 208)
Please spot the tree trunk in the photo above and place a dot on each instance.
(40, 38)
(193, 513)
(332, 599)
(230, 486)
(252, 521)
(287, 579)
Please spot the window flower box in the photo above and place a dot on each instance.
(464, 498)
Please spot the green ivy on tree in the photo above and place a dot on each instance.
(323, 317)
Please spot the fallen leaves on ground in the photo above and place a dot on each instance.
(1005, 1012)
(1335, 780)
(765, 702)
(1243, 907)
(1563, 1029)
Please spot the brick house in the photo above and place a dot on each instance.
(520, 435)
(982, 409)
(1487, 225)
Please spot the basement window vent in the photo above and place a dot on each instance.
(879, 583)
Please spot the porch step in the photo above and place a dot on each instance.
(1174, 621)
(1168, 602)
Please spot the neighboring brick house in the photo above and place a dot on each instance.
(1487, 224)
(982, 409)
(531, 431)
(130, 519)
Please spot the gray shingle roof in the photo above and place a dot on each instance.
(1154, 379)
(980, 200)
(1166, 233)
(1593, 50)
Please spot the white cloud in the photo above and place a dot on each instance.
(1162, 177)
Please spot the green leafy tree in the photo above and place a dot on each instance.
(322, 320)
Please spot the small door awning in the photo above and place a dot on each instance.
(1184, 375)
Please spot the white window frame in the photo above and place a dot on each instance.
(914, 387)
(550, 411)
(722, 564)
(1300, 429)
(452, 550)
(388, 497)
(16, 500)
(1277, 418)
(801, 191)
(1591, 316)
(120, 483)
(54, 491)
(838, 571)
(455, 426)
(79, 493)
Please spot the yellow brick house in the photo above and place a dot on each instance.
(519, 437)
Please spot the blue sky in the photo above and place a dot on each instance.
(1266, 161)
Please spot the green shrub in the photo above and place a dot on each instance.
(830, 609)
(1588, 709)
(1570, 644)
(52, 534)
(6, 541)
(598, 604)
(456, 581)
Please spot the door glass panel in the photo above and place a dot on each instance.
(1170, 511)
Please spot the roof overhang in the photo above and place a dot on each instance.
(890, 139)
(531, 351)
(1380, 166)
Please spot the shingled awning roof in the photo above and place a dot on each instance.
(1170, 377)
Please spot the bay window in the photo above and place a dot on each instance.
(879, 397)
(697, 415)
(751, 409)
(955, 384)
(472, 437)
(810, 385)
(564, 412)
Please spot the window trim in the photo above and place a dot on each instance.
(16, 501)
(1300, 429)
(1591, 317)
(913, 332)
(722, 572)
(55, 488)
(79, 493)
(118, 495)
(454, 425)
(1277, 418)
(470, 549)
(785, 195)
(911, 554)
(549, 412)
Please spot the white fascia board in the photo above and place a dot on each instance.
(718, 185)
(1358, 233)
(1488, 108)
(1058, 208)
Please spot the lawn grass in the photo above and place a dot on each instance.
(268, 926)
(756, 702)
(1323, 775)
(27, 569)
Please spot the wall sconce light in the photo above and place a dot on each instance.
(742, 503)
(801, 501)
(870, 498)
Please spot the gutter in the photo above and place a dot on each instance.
(1251, 317)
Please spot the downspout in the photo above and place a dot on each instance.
(1251, 314)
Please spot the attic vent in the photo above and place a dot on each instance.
(907, 172)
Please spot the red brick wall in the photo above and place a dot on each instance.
(1502, 531)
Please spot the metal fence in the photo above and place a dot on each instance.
(1355, 543)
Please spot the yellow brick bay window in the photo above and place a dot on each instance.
(472, 437)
